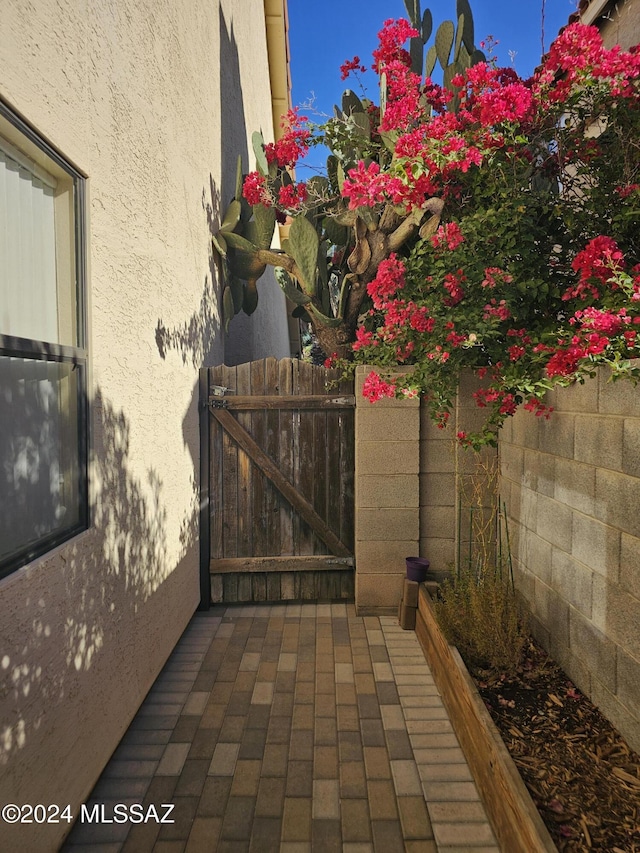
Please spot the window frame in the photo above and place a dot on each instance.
(25, 348)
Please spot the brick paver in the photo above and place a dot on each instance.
(291, 727)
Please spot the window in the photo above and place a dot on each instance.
(43, 358)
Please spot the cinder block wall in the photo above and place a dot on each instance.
(387, 460)
(572, 488)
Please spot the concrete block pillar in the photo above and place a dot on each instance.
(387, 497)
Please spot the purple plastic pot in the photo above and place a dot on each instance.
(417, 568)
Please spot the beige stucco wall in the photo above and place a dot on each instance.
(572, 485)
(131, 92)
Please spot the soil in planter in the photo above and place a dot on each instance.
(581, 774)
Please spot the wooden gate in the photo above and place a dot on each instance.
(280, 481)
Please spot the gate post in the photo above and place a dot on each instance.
(387, 498)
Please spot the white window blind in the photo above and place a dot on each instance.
(28, 279)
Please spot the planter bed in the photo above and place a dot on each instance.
(516, 821)
(582, 775)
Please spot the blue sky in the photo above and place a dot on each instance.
(322, 35)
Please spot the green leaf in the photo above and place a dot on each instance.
(413, 11)
(430, 62)
(322, 319)
(257, 142)
(265, 219)
(362, 124)
(246, 266)
(477, 56)
(239, 178)
(463, 7)
(303, 243)
(458, 44)
(228, 310)
(318, 186)
(219, 244)
(340, 175)
(288, 286)
(427, 25)
(237, 291)
(416, 48)
(444, 42)
(237, 241)
(337, 234)
(351, 103)
(390, 138)
(250, 301)
(231, 216)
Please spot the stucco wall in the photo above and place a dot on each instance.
(131, 92)
(572, 485)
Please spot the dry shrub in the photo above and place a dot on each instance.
(480, 614)
(477, 607)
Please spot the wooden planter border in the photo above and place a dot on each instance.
(515, 819)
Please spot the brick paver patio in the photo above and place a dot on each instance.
(291, 727)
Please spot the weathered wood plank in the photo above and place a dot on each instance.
(346, 477)
(329, 563)
(306, 459)
(300, 504)
(286, 455)
(273, 499)
(229, 491)
(245, 474)
(320, 458)
(516, 821)
(259, 519)
(307, 401)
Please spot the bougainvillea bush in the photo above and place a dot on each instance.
(488, 225)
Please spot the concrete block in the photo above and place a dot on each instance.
(557, 434)
(378, 593)
(617, 713)
(437, 522)
(535, 553)
(439, 490)
(616, 398)
(617, 614)
(631, 447)
(399, 490)
(437, 457)
(410, 593)
(599, 441)
(628, 684)
(572, 581)
(577, 397)
(387, 457)
(524, 582)
(617, 500)
(527, 509)
(574, 667)
(373, 424)
(388, 524)
(593, 648)
(440, 552)
(512, 462)
(506, 433)
(554, 522)
(575, 485)
(596, 545)
(380, 557)
(407, 617)
(538, 472)
(525, 430)
(552, 611)
(629, 576)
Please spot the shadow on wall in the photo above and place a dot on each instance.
(103, 580)
(195, 339)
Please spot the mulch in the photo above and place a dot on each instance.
(581, 774)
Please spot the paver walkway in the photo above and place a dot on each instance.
(292, 727)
